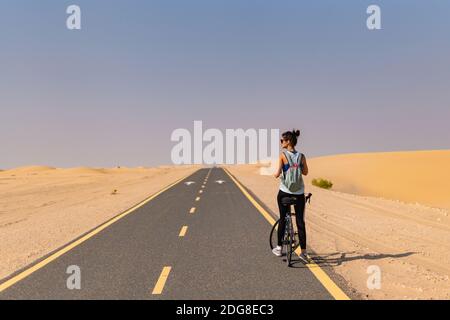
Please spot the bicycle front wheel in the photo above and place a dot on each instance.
(274, 235)
(288, 243)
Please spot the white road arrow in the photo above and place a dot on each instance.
(188, 183)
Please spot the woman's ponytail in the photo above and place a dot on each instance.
(291, 136)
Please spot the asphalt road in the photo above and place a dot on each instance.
(224, 253)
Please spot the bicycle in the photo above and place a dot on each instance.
(290, 241)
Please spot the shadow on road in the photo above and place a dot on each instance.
(337, 258)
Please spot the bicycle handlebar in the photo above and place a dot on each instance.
(308, 198)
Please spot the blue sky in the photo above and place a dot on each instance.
(112, 93)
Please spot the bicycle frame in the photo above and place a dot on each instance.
(290, 233)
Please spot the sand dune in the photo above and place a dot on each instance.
(43, 208)
(418, 176)
(28, 169)
(85, 170)
(409, 242)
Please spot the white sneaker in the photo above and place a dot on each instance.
(277, 251)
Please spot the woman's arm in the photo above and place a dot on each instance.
(280, 167)
(304, 166)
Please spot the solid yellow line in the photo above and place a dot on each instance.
(183, 231)
(5, 285)
(323, 278)
(159, 286)
(192, 210)
(252, 200)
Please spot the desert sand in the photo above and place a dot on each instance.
(387, 210)
(43, 208)
(418, 176)
(408, 240)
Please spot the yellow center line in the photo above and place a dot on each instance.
(183, 231)
(159, 286)
(192, 210)
(316, 270)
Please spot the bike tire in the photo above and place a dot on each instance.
(274, 235)
(288, 243)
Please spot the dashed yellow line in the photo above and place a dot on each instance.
(321, 275)
(159, 286)
(192, 210)
(183, 231)
(5, 285)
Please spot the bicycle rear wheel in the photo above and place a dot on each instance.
(274, 235)
(295, 240)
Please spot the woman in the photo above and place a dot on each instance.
(288, 143)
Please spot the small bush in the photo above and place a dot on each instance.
(322, 183)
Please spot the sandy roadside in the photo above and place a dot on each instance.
(409, 176)
(410, 243)
(43, 208)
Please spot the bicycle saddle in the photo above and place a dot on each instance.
(288, 201)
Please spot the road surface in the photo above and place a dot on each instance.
(200, 239)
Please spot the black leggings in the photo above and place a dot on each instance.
(299, 214)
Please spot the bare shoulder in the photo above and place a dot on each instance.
(303, 157)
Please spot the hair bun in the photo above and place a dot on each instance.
(296, 132)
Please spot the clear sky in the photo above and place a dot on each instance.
(112, 93)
